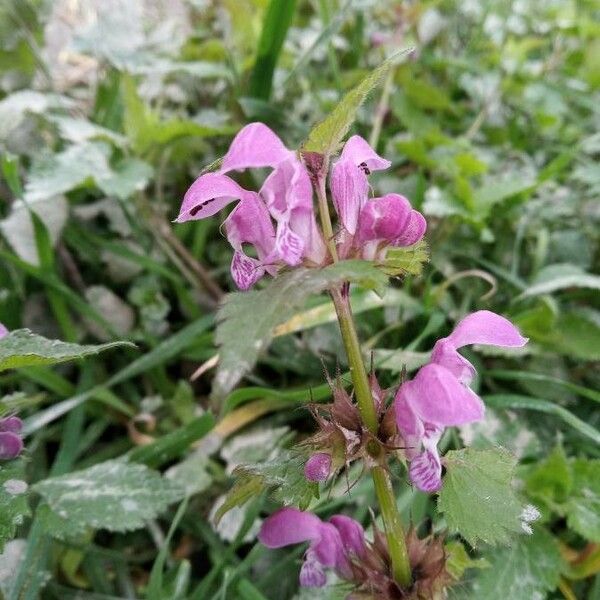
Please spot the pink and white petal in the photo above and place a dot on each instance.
(384, 218)
(288, 187)
(413, 231)
(245, 270)
(288, 245)
(425, 471)
(208, 195)
(312, 573)
(438, 397)
(488, 328)
(303, 223)
(445, 354)
(410, 427)
(289, 526)
(349, 190)
(3, 331)
(250, 223)
(352, 535)
(358, 151)
(254, 146)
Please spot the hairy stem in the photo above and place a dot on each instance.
(324, 214)
(383, 487)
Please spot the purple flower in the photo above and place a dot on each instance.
(3, 331)
(439, 396)
(318, 467)
(285, 196)
(369, 226)
(11, 443)
(332, 545)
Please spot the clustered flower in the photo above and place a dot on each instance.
(11, 443)
(342, 438)
(339, 545)
(279, 220)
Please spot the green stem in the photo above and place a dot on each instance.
(394, 531)
(383, 488)
(324, 214)
(362, 389)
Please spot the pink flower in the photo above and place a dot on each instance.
(285, 196)
(332, 545)
(3, 331)
(11, 443)
(370, 225)
(439, 396)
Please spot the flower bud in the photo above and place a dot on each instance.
(11, 443)
(318, 467)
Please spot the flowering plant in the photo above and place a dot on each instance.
(275, 230)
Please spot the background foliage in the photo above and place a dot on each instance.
(109, 109)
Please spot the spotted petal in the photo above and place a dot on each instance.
(349, 190)
(358, 151)
(349, 185)
(425, 471)
(208, 195)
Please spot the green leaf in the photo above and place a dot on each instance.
(155, 585)
(277, 20)
(59, 527)
(477, 497)
(14, 107)
(517, 401)
(551, 482)
(113, 495)
(497, 190)
(79, 130)
(13, 500)
(528, 569)
(145, 129)
(406, 261)
(325, 137)
(559, 277)
(459, 561)
(283, 475)
(129, 176)
(243, 490)
(22, 348)
(583, 507)
(246, 319)
(173, 444)
(73, 167)
(575, 335)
